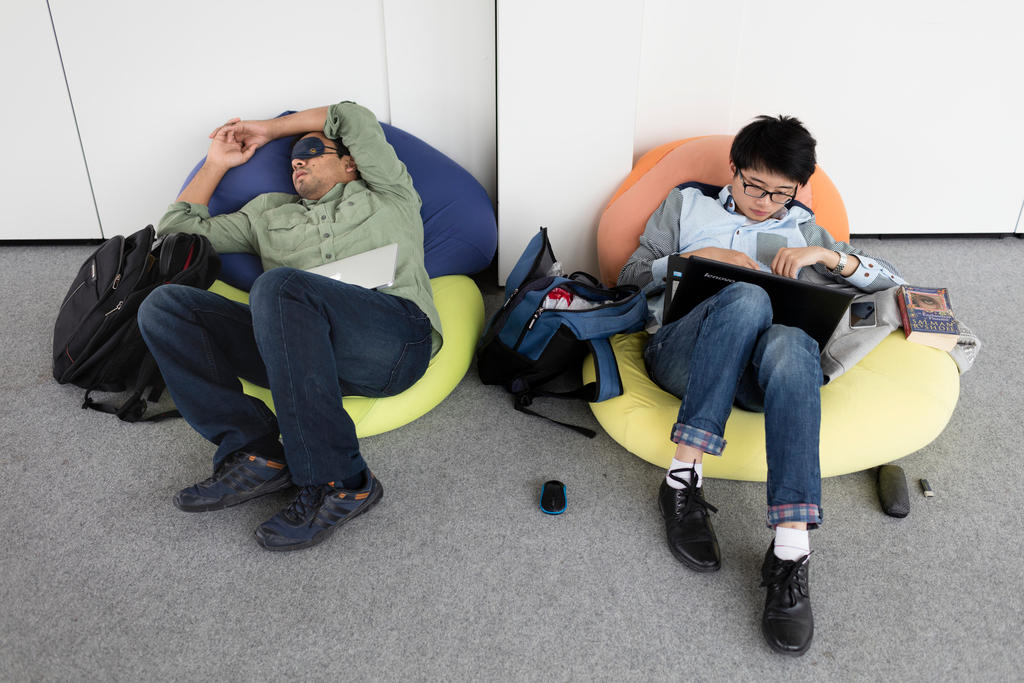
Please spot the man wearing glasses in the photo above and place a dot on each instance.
(309, 338)
(726, 351)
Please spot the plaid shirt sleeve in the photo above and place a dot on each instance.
(659, 239)
(872, 274)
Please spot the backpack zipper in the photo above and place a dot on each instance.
(499, 318)
(120, 261)
(71, 296)
(534, 317)
(529, 326)
(536, 314)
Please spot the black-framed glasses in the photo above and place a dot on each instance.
(756, 191)
(307, 148)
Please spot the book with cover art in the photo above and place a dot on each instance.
(928, 317)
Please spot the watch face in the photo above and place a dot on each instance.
(838, 270)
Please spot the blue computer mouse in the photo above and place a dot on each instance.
(552, 497)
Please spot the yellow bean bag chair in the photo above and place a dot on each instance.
(895, 401)
(461, 308)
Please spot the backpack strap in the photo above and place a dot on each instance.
(608, 384)
(133, 409)
(606, 370)
(587, 278)
(523, 399)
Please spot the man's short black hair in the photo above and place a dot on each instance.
(778, 145)
(340, 146)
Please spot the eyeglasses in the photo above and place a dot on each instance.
(756, 191)
(307, 148)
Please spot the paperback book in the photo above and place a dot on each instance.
(928, 316)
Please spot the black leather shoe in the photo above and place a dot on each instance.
(691, 538)
(241, 477)
(787, 624)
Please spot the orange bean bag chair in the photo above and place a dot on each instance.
(895, 401)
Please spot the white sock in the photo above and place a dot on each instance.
(685, 475)
(791, 544)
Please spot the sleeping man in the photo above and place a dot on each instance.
(309, 338)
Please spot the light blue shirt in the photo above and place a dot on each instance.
(714, 222)
(708, 222)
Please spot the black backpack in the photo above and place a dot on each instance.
(96, 340)
(528, 345)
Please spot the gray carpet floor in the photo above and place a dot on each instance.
(457, 575)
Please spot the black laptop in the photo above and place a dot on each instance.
(816, 309)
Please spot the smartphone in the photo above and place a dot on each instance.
(862, 314)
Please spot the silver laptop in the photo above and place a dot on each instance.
(372, 269)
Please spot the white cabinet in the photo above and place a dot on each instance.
(44, 189)
(567, 77)
(441, 78)
(151, 80)
(915, 105)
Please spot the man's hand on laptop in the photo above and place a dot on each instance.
(789, 260)
(736, 258)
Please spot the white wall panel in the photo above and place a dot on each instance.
(688, 57)
(44, 188)
(150, 81)
(912, 103)
(567, 83)
(441, 80)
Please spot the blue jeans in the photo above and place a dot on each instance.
(309, 338)
(725, 351)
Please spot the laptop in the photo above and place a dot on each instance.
(816, 309)
(371, 269)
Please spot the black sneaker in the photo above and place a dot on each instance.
(691, 538)
(241, 477)
(787, 624)
(315, 513)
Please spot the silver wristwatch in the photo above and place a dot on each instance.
(838, 270)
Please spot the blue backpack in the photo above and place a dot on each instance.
(527, 344)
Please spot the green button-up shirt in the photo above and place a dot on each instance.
(379, 208)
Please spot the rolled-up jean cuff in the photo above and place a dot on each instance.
(698, 438)
(808, 513)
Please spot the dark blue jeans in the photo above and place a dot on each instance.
(309, 338)
(725, 351)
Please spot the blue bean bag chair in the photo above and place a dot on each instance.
(460, 236)
(460, 233)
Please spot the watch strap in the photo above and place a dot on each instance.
(838, 270)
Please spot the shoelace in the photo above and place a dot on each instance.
(692, 500)
(786, 575)
(307, 500)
